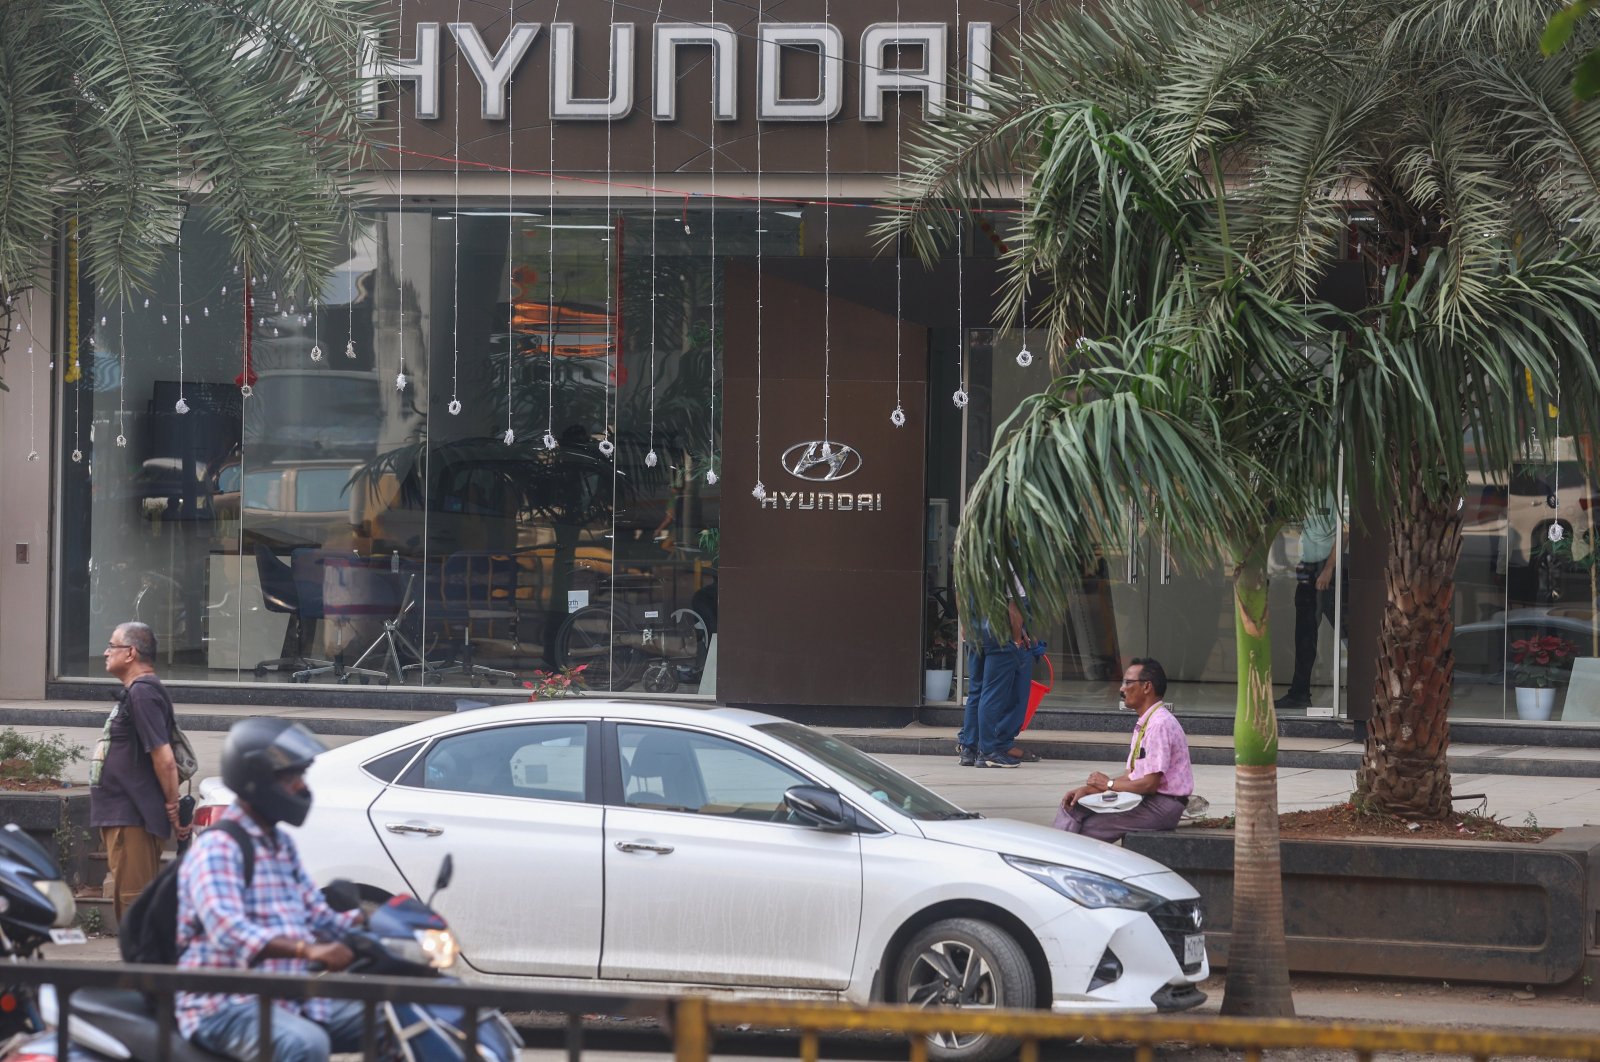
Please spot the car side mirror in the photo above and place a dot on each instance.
(342, 895)
(814, 805)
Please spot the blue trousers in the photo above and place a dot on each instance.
(997, 697)
(236, 1032)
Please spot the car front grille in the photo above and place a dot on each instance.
(1178, 919)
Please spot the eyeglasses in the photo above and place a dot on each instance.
(113, 645)
(1134, 681)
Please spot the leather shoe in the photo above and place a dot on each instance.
(1292, 701)
(1017, 752)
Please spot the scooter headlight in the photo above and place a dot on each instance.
(59, 894)
(426, 947)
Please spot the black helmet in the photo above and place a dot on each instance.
(255, 753)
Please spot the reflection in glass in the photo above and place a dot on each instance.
(269, 537)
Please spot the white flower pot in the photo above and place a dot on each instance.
(1535, 703)
(936, 684)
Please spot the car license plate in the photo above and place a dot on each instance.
(1194, 948)
(68, 936)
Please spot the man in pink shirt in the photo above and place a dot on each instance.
(1158, 766)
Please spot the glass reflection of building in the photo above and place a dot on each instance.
(269, 536)
(329, 513)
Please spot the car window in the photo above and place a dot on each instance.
(263, 490)
(884, 782)
(321, 490)
(385, 767)
(540, 761)
(228, 480)
(680, 770)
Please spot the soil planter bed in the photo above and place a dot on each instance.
(1446, 910)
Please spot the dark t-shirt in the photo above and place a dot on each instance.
(129, 794)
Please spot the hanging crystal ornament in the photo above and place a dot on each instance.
(350, 349)
(511, 246)
(1024, 356)
(550, 268)
(607, 448)
(509, 437)
(959, 398)
(316, 352)
(711, 477)
(898, 417)
(1557, 532)
(399, 225)
(181, 406)
(316, 329)
(399, 381)
(711, 384)
(613, 354)
(455, 239)
(77, 457)
(549, 441)
(650, 459)
(759, 491)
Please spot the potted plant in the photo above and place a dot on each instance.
(1537, 664)
(939, 661)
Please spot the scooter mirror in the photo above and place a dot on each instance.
(447, 870)
(342, 895)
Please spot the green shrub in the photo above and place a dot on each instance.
(22, 756)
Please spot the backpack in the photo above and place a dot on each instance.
(149, 931)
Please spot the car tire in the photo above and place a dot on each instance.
(965, 964)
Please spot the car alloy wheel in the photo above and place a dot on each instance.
(965, 964)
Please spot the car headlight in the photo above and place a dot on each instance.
(426, 947)
(59, 894)
(1087, 889)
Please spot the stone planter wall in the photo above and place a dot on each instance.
(59, 820)
(1455, 911)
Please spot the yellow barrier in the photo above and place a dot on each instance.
(695, 1018)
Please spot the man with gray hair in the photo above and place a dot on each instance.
(133, 777)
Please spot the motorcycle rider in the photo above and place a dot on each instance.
(279, 922)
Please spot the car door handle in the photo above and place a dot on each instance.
(640, 846)
(406, 827)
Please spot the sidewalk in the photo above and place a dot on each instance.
(1556, 786)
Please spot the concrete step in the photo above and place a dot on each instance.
(96, 914)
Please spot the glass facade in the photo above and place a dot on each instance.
(329, 525)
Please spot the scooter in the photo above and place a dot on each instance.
(36, 908)
(402, 938)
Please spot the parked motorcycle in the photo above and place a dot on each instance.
(402, 938)
(36, 908)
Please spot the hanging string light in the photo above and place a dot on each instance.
(711, 389)
(122, 374)
(455, 231)
(400, 380)
(898, 416)
(1024, 356)
(650, 457)
(33, 449)
(550, 279)
(827, 257)
(759, 491)
(182, 405)
(959, 398)
(74, 373)
(613, 352)
(510, 435)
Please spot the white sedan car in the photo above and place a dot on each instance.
(636, 847)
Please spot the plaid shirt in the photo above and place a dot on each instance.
(221, 923)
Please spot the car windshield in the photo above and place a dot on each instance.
(882, 782)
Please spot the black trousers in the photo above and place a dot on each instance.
(1310, 607)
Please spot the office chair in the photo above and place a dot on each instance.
(400, 577)
(279, 594)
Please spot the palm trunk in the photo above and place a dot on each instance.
(1258, 966)
(1404, 769)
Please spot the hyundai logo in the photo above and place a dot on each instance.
(821, 461)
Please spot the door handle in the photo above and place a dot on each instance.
(640, 846)
(406, 827)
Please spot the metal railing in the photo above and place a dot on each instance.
(162, 983)
(692, 1021)
(695, 1019)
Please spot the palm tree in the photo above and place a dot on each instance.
(1189, 170)
(114, 113)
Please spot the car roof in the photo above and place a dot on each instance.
(725, 719)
